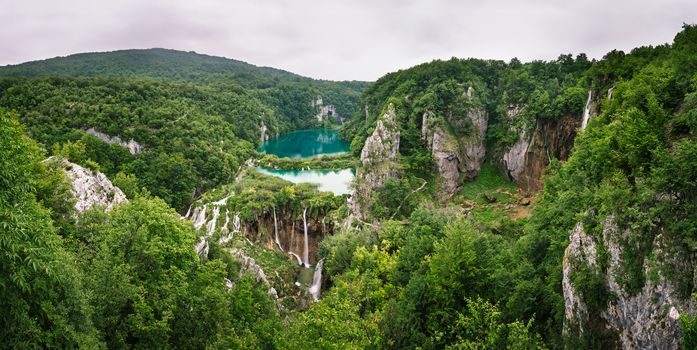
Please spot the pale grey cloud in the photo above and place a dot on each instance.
(339, 39)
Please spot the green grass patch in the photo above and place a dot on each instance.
(488, 182)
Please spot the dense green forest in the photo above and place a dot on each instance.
(198, 118)
(475, 270)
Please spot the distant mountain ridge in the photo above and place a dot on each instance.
(154, 63)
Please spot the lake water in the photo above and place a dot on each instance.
(306, 143)
(310, 143)
(336, 181)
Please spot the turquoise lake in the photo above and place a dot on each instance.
(311, 143)
(306, 143)
(336, 181)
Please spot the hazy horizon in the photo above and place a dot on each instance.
(340, 40)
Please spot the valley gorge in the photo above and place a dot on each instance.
(460, 203)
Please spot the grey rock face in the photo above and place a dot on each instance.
(456, 158)
(324, 111)
(89, 187)
(263, 130)
(445, 151)
(133, 146)
(514, 158)
(645, 320)
(580, 251)
(474, 145)
(383, 143)
(249, 265)
(378, 161)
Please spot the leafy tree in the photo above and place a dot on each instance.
(42, 296)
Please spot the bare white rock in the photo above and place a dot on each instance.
(133, 146)
(90, 187)
(647, 319)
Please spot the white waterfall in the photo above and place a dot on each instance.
(227, 221)
(226, 231)
(587, 111)
(236, 223)
(300, 261)
(316, 286)
(609, 92)
(306, 252)
(199, 217)
(210, 227)
(222, 201)
(275, 229)
(202, 246)
(188, 212)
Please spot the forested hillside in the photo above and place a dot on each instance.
(497, 205)
(196, 118)
(477, 273)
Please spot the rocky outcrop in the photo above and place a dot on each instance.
(647, 319)
(378, 161)
(445, 150)
(324, 111)
(457, 158)
(263, 130)
(250, 266)
(133, 146)
(291, 233)
(526, 160)
(89, 187)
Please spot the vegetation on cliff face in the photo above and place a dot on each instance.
(479, 269)
(621, 165)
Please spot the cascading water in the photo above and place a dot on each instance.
(306, 252)
(222, 201)
(587, 111)
(227, 221)
(300, 261)
(227, 236)
(199, 217)
(609, 92)
(202, 246)
(275, 229)
(210, 227)
(316, 286)
(188, 212)
(236, 223)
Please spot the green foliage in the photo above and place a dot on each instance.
(128, 183)
(481, 327)
(432, 278)
(206, 110)
(335, 323)
(41, 288)
(688, 326)
(343, 161)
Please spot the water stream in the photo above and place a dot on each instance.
(587, 111)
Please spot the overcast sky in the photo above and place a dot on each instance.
(339, 39)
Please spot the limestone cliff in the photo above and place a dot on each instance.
(89, 187)
(249, 265)
(526, 160)
(647, 319)
(457, 159)
(264, 131)
(378, 161)
(325, 111)
(132, 146)
(283, 223)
